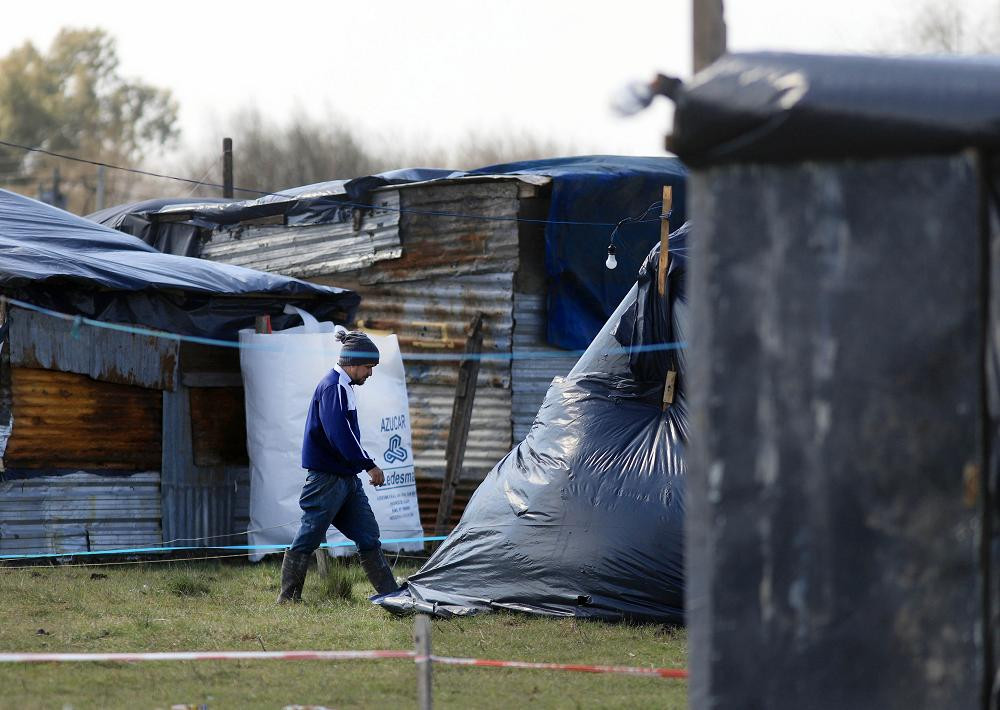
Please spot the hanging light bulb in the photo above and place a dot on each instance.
(612, 262)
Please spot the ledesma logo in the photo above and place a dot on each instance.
(396, 452)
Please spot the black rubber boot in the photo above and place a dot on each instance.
(378, 571)
(293, 576)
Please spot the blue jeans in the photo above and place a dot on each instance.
(339, 500)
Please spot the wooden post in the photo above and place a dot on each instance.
(461, 417)
(422, 647)
(708, 25)
(227, 167)
(661, 275)
(670, 385)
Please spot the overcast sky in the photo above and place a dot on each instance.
(435, 70)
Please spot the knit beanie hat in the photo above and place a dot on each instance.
(358, 348)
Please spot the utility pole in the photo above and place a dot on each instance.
(227, 167)
(708, 25)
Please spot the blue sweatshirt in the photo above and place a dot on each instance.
(332, 441)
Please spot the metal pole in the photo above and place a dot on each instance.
(708, 26)
(227, 167)
(422, 646)
(100, 187)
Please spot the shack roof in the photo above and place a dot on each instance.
(43, 248)
(778, 107)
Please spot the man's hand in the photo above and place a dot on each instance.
(377, 477)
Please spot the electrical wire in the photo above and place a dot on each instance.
(291, 196)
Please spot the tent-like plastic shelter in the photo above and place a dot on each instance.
(585, 516)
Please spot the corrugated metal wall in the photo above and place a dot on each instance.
(79, 512)
(41, 342)
(532, 375)
(64, 420)
(199, 502)
(439, 242)
(315, 249)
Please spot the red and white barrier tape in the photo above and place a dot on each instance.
(330, 656)
(581, 668)
(203, 656)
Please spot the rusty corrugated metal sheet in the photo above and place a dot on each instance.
(433, 316)
(70, 421)
(489, 435)
(445, 246)
(310, 250)
(38, 341)
(429, 495)
(531, 376)
(79, 512)
(199, 502)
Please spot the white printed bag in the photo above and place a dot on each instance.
(280, 373)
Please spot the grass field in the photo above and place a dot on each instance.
(230, 606)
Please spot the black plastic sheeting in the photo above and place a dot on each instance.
(589, 194)
(58, 260)
(180, 238)
(317, 203)
(585, 517)
(773, 107)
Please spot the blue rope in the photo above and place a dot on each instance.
(515, 355)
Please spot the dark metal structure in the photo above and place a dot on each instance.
(842, 499)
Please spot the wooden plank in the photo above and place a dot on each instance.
(461, 416)
(661, 274)
(668, 389)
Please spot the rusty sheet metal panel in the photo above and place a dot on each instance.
(435, 245)
(433, 316)
(39, 341)
(429, 495)
(79, 512)
(531, 376)
(313, 249)
(489, 436)
(69, 421)
(199, 502)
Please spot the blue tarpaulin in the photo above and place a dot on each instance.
(582, 293)
(59, 260)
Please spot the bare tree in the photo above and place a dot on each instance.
(270, 156)
(952, 27)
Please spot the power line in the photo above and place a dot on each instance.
(359, 205)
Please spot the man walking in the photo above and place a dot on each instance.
(333, 455)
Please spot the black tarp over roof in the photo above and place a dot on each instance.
(773, 107)
(56, 259)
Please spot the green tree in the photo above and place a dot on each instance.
(73, 99)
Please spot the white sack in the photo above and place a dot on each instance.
(280, 373)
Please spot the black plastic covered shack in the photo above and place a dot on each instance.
(842, 500)
(585, 517)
